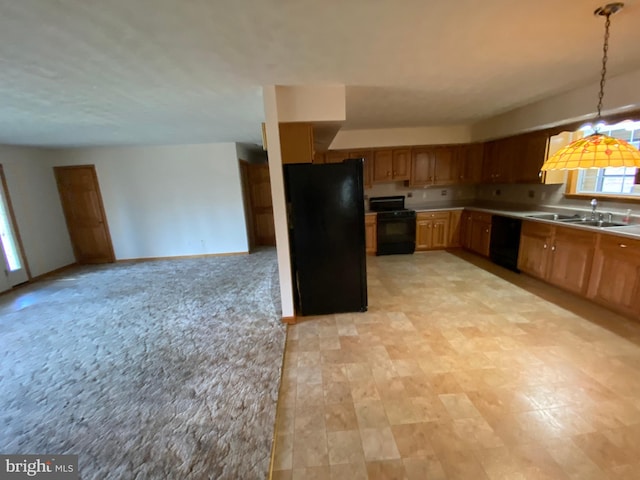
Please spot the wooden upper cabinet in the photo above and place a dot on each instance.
(336, 156)
(497, 161)
(469, 162)
(531, 154)
(382, 166)
(445, 171)
(391, 165)
(421, 167)
(296, 142)
(401, 163)
(615, 276)
(367, 168)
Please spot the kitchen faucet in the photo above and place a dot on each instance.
(594, 205)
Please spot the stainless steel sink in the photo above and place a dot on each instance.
(554, 216)
(593, 223)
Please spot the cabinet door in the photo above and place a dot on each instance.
(296, 142)
(444, 166)
(382, 166)
(535, 245)
(465, 230)
(401, 164)
(421, 167)
(532, 152)
(470, 163)
(572, 255)
(615, 276)
(336, 156)
(370, 234)
(440, 233)
(424, 232)
(367, 168)
(480, 237)
(454, 228)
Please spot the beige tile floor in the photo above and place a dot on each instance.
(458, 373)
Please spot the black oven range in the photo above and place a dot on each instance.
(396, 225)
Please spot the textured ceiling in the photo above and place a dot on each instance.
(100, 72)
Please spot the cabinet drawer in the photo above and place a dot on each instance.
(537, 229)
(623, 244)
(481, 217)
(432, 215)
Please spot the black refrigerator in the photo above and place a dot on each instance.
(326, 232)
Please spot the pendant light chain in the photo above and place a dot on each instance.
(603, 73)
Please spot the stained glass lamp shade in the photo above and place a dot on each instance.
(594, 151)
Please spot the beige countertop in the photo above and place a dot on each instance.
(526, 212)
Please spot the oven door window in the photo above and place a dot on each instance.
(395, 231)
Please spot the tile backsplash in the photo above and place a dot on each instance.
(417, 195)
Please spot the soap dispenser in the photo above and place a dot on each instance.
(627, 217)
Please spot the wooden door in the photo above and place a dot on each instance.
(84, 213)
(261, 204)
(615, 277)
(401, 164)
(421, 167)
(535, 245)
(572, 255)
(382, 166)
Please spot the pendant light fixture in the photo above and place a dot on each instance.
(597, 150)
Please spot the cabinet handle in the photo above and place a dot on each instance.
(487, 230)
(395, 173)
(553, 249)
(545, 246)
(622, 245)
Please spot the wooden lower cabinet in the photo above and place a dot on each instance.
(454, 228)
(465, 229)
(535, 245)
(370, 231)
(559, 255)
(432, 230)
(615, 274)
(571, 258)
(479, 235)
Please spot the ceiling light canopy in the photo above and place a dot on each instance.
(597, 150)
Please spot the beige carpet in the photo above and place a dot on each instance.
(162, 369)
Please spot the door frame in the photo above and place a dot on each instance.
(14, 224)
(112, 257)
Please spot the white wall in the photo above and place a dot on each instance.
(391, 137)
(621, 94)
(169, 200)
(36, 204)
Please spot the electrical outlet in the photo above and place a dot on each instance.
(496, 192)
(409, 194)
(443, 193)
(532, 194)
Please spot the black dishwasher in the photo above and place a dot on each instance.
(505, 241)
